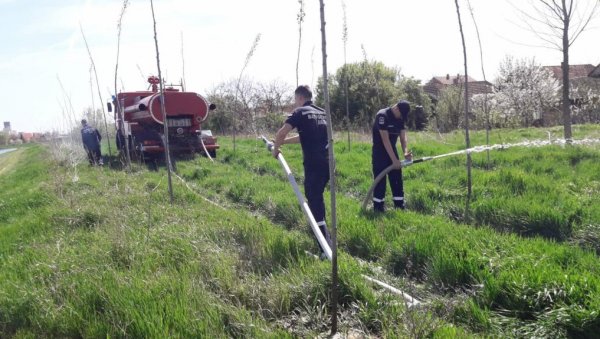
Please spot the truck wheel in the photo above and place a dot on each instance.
(213, 153)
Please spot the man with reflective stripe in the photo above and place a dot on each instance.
(311, 123)
(390, 123)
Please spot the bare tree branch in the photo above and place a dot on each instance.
(183, 82)
(552, 16)
(571, 7)
(553, 8)
(345, 40)
(467, 138)
(248, 58)
(522, 43)
(300, 19)
(141, 73)
(162, 108)
(118, 108)
(573, 22)
(98, 87)
(485, 102)
(332, 180)
(587, 21)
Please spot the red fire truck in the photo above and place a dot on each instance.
(144, 125)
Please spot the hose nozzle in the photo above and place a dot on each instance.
(422, 160)
(406, 163)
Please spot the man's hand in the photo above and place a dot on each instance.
(280, 139)
(275, 151)
(408, 155)
(396, 163)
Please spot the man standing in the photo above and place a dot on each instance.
(91, 142)
(390, 123)
(311, 123)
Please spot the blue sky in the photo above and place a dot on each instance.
(41, 40)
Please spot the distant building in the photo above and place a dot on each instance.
(7, 128)
(585, 76)
(437, 84)
(575, 71)
(595, 73)
(579, 75)
(26, 137)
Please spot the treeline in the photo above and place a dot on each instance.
(258, 106)
(371, 86)
(4, 138)
(524, 94)
(263, 106)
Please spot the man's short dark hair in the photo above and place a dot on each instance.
(83, 122)
(304, 91)
(403, 106)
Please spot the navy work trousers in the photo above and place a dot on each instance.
(316, 177)
(381, 161)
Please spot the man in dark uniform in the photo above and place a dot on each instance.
(91, 142)
(311, 123)
(390, 123)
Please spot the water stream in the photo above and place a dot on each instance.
(2, 151)
(527, 143)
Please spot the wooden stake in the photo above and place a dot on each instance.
(345, 40)
(162, 108)
(118, 109)
(98, 87)
(467, 139)
(334, 264)
(485, 98)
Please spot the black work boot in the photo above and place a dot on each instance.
(378, 207)
(399, 204)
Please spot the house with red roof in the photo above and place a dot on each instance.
(575, 71)
(595, 73)
(437, 84)
(585, 88)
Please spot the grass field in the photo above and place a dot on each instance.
(527, 283)
(99, 252)
(547, 191)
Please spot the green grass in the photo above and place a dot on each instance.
(520, 286)
(550, 191)
(102, 254)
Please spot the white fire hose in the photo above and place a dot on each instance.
(382, 175)
(410, 301)
(301, 201)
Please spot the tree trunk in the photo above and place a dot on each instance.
(467, 139)
(300, 19)
(119, 110)
(566, 105)
(163, 110)
(99, 93)
(334, 265)
(347, 103)
(485, 98)
(345, 40)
